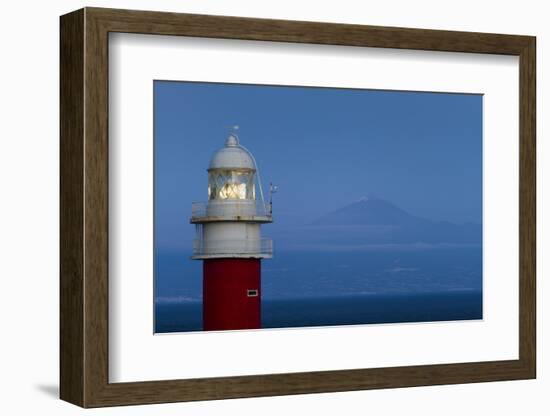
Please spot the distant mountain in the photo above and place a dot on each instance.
(368, 211)
(374, 221)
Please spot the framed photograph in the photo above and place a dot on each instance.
(254, 207)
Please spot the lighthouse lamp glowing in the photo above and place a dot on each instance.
(228, 239)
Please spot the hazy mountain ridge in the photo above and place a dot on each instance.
(369, 212)
(373, 221)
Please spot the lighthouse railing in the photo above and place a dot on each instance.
(260, 247)
(238, 207)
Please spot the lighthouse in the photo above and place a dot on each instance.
(228, 239)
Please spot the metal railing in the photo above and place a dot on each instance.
(235, 207)
(260, 247)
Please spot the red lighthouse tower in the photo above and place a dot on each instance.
(229, 240)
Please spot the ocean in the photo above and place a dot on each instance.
(313, 288)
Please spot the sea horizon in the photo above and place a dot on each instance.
(185, 315)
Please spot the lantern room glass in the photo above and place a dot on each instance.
(231, 184)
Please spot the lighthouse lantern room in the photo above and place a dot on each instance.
(228, 239)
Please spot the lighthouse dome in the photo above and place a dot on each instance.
(231, 156)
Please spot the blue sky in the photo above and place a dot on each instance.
(324, 147)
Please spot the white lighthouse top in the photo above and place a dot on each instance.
(232, 156)
(228, 225)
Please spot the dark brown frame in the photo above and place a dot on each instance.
(84, 208)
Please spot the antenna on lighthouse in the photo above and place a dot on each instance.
(272, 190)
(233, 138)
(234, 131)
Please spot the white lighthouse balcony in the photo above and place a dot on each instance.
(209, 249)
(231, 210)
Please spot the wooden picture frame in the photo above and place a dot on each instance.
(84, 207)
